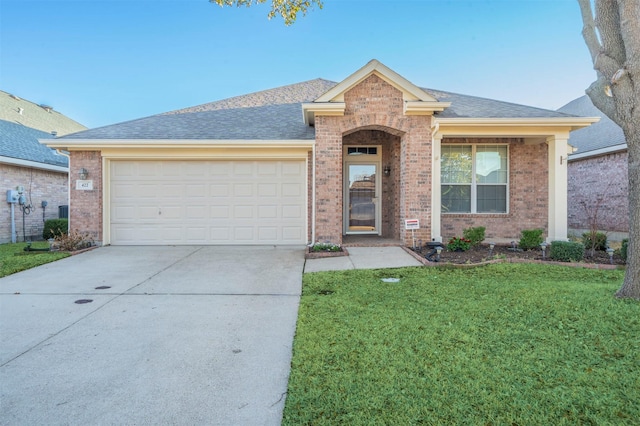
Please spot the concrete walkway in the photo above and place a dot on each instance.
(364, 258)
(183, 335)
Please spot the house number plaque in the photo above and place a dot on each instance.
(84, 185)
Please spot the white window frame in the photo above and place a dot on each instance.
(474, 184)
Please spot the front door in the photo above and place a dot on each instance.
(362, 189)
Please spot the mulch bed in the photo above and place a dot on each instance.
(480, 254)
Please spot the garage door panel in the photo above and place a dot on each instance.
(245, 169)
(243, 234)
(267, 212)
(268, 189)
(292, 212)
(208, 202)
(243, 190)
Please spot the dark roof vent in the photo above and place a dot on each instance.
(54, 133)
(46, 107)
(14, 97)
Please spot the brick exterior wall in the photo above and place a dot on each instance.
(85, 212)
(598, 187)
(375, 105)
(39, 185)
(528, 194)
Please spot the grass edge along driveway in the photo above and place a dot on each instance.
(500, 344)
(14, 259)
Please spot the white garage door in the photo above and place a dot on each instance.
(207, 202)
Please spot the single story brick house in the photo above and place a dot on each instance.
(598, 186)
(319, 160)
(26, 163)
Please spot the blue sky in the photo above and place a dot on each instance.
(106, 61)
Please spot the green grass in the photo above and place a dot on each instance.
(14, 259)
(500, 344)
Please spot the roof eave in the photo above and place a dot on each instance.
(19, 162)
(98, 144)
(538, 126)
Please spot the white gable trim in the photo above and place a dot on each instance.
(416, 100)
(410, 91)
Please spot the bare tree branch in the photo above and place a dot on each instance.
(589, 30)
(287, 9)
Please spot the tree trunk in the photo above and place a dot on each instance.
(613, 39)
(631, 285)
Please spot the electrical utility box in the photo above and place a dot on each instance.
(12, 196)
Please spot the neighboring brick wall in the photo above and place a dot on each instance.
(599, 183)
(39, 185)
(375, 105)
(85, 212)
(528, 194)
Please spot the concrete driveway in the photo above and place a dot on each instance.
(184, 335)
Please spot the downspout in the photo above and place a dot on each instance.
(59, 151)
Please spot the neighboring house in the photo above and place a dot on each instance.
(598, 187)
(26, 163)
(319, 160)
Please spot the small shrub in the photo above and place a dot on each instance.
(459, 244)
(597, 241)
(566, 251)
(530, 239)
(325, 247)
(72, 241)
(624, 248)
(53, 227)
(475, 235)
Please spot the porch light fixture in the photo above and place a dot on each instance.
(387, 170)
(84, 173)
(610, 253)
(543, 246)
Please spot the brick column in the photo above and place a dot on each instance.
(85, 210)
(328, 180)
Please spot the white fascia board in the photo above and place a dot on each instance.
(511, 127)
(424, 107)
(309, 110)
(97, 144)
(574, 122)
(597, 152)
(33, 164)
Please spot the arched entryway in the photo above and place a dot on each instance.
(371, 183)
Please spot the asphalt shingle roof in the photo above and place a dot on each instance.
(20, 142)
(602, 134)
(29, 114)
(276, 114)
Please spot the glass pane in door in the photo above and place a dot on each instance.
(362, 197)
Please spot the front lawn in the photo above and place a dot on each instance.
(14, 259)
(500, 344)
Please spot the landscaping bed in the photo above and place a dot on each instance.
(482, 254)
